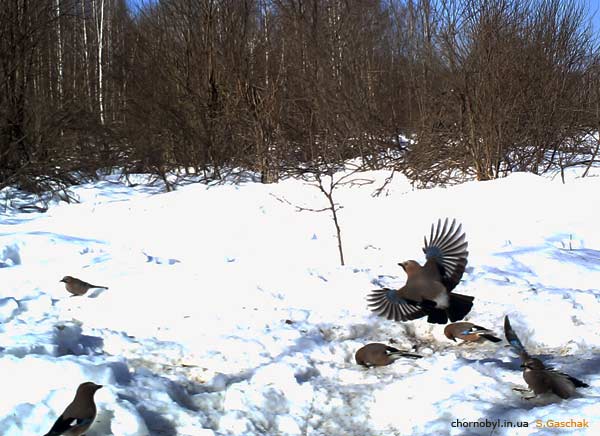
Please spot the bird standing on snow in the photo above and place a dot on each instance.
(380, 355)
(538, 377)
(541, 379)
(428, 288)
(468, 332)
(79, 415)
(78, 287)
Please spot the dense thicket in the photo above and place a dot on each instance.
(481, 87)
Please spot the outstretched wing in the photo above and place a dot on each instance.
(446, 251)
(386, 302)
(513, 339)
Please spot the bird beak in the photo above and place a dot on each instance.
(61, 280)
(402, 264)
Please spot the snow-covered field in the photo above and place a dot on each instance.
(227, 312)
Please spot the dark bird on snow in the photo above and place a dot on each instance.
(428, 288)
(79, 415)
(469, 332)
(539, 378)
(376, 354)
(78, 287)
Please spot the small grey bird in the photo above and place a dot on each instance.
(469, 332)
(428, 288)
(376, 354)
(79, 415)
(538, 377)
(78, 287)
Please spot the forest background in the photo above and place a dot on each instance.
(438, 89)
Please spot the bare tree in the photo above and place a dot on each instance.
(492, 111)
(210, 86)
(328, 178)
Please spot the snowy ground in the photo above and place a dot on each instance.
(227, 312)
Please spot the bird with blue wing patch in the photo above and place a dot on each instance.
(539, 378)
(428, 288)
(469, 332)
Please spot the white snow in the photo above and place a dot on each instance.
(227, 312)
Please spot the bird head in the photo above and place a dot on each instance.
(410, 266)
(88, 388)
(67, 279)
(533, 363)
(449, 332)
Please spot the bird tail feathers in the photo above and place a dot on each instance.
(460, 305)
(578, 383)
(399, 354)
(437, 316)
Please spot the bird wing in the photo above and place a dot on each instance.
(64, 424)
(400, 353)
(446, 253)
(386, 302)
(578, 383)
(513, 339)
(479, 329)
(563, 385)
(389, 349)
(484, 333)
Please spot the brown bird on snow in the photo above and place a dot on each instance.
(79, 415)
(428, 288)
(538, 377)
(78, 287)
(468, 332)
(541, 379)
(376, 354)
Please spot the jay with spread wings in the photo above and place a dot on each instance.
(428, 288)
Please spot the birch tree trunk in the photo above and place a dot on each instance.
(59, 54)
(86, 54)
(99, 21)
